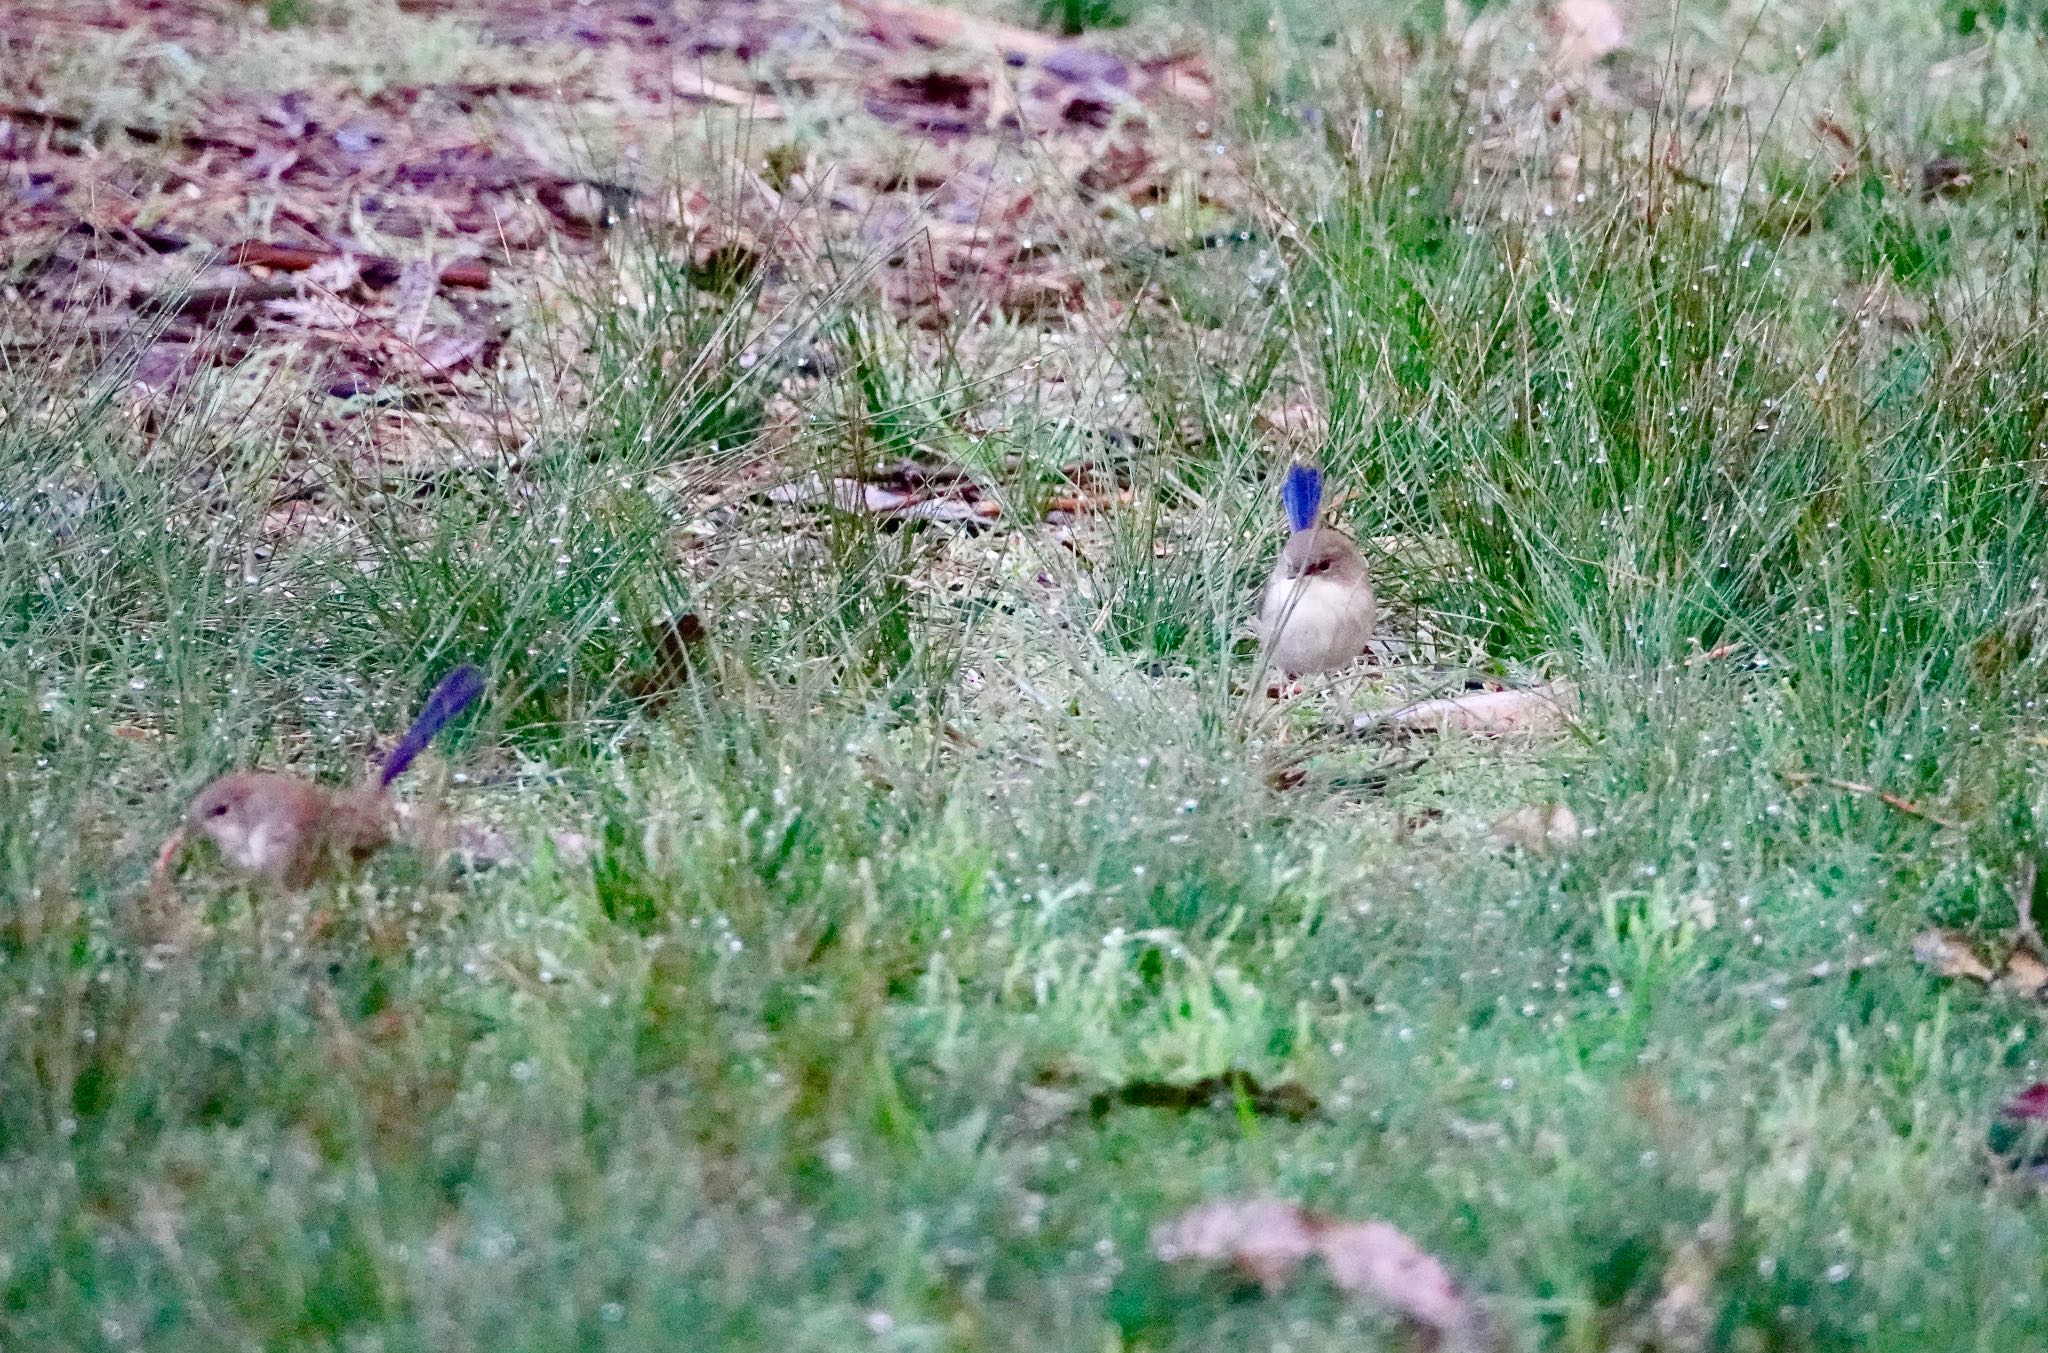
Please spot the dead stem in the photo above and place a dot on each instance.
(1797, 778)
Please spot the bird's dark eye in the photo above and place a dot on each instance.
(1319, 566)
(218, 810)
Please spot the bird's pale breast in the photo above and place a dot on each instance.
(1313, 624)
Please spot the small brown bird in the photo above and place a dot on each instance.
(291, 833)
(1318, 610)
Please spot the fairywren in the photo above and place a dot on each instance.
(288, 832)
(1318, 609)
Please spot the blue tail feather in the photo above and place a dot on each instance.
(1302, 495)
(449, 699)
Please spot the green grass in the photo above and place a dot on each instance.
(951, 831)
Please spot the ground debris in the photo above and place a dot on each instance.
(2019, 1131)
(913, 490)
(1586, 30)
(1536, 827)
(969, 168)
(1288, 1099)
(1950, 953)
(1531, 710)
(1267, 1239)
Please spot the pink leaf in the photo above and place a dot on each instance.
(1267, 1238)
(1374, 1259)
(1262, 1238)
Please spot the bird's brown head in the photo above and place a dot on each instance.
(259, 823)
(223, 805)
(1321, 553)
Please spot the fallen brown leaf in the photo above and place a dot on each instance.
(1949, 954)
(1374, 1259)
(1714, 654)
(2025, 974)
(1263, 1238)
(1288, 1099)
(1267, 1239)
(1536, 828)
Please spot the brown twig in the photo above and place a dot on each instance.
(1907, 806)
(2023, 903)
(377, 270)
(1714, 654)
(243, 290)
(1078, 503)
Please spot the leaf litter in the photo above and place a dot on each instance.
(1232, 1089)
(1268, 1239)
(1951, 954)
(2019, 1131)
(1538, 828)
(979, 172)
